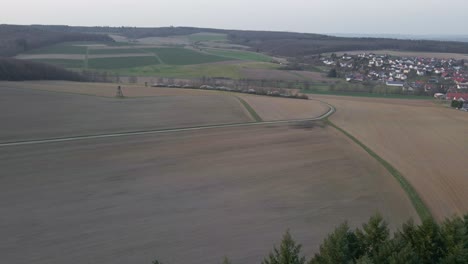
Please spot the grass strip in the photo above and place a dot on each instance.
(417, 202)
(251, 110)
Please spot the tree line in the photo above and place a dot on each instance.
(288, 44)
(23, 70)
(15, 39)
(427, 243)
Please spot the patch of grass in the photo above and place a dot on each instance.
(121, 62)
(64, 63)
(422, 210)
(240, 55)
(62, 48)
(233, 71)
(115, 51)
(181, 56)
(324, 90)
(250, 109)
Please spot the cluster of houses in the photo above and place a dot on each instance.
(410, 73)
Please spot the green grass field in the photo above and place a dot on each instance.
(114, 51)
(62, 48)
(70, 64)
(181, 56)
(233, 71)
(121, 62)
(239, 55)
(161, 61)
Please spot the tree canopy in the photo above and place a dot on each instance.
(427, 243)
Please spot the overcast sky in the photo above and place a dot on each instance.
(314, 16)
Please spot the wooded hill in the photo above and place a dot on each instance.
(286, 44)
(16, 39)
(23, 70)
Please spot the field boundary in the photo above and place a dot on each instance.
(158, 131)
(251, 111)
(421, 208)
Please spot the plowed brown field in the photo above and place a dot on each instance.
(269, 108)
(274, 108)
(187, 197)
(103, 89)
(27, 114)
(427, 143)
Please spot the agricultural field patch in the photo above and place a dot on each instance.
(207, 37)
(271, 74)
(121, 62)
(240, 55)
(115, 51)
(62, 48)
(258, 181)
(165, 41)
(30, 113)
(70, 64)
(273, 108)
(226, 69)
(181, 56)
(425, 142)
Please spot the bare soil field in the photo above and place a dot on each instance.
(427, 143)
(187, 197)
(436, 55)
(274, 108)
(104, 89)
(35, 114)
(269, 108)
(179, 40)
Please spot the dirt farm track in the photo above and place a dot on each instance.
(196, 196)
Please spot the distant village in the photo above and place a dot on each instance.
(441, 78)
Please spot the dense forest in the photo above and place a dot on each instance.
(288, 44)
(22, 70)
(16, 39)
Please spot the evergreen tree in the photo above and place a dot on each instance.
(341, 246)
(454, 234)
(396, 251)
(373, 235)
(364, 260)
(288, 253)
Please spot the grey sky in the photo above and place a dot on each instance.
(315, 16)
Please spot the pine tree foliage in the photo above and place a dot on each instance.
(427, 243)
(288, 253)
